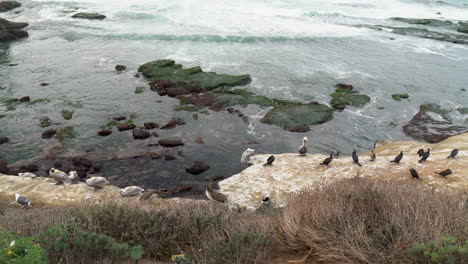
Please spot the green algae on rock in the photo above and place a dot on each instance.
(139, 90)
(67, 114)
(8, 5)
(168, 70)
(341, 98)
(89, 16)
(398, 97)
(293, 115)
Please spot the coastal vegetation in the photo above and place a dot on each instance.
(352, 221)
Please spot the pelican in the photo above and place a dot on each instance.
(21, 200)
(58, 175)
(303, 148)
(27, 174)
(214, 194)
(131, 191)
(97, 182)
(246, 155)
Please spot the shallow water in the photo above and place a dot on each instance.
(295, 50)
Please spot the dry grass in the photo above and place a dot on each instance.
(364, 221)
(353, 221)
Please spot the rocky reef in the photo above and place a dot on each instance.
(9, 5)
(12, 30)
(291, 173)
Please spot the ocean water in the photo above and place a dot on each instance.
(293, 49)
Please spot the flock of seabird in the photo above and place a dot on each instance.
(213, 194)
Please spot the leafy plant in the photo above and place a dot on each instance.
(445, 250)
(18, 250)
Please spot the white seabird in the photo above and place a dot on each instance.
(302, 148)
(73, 176)
(58, 175)
(21, 200)
(97, 182)
(131, 191)
(246, 155)
(27, 174)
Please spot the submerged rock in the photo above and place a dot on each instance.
(398, 97)
(125, 126)
(120, 67)
(343, 97)
(89, 16)
(433, 124)
(104, 132)
(67, 114)
(169, 143)
(290, 116)
(424, 21)
(8, 5)
(197, 167)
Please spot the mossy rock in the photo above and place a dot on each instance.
(89, 16)
(66, 132)
(293, 115)
(436, 109)
(341, 98)
(463, 110)
(161, 70)
(463, 29)
(139, 90)
(2, 116)
(12, 25)
(67, 114)
(424, 21)
(398, 97)
(9, 5)
(244, 97)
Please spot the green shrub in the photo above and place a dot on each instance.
(18, 250)
(445, 250)
(66, 241)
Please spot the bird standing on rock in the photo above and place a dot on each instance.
(22, 201)
(398, 157)
(270, 161)
(445, 173)
(372, 156)
(246, 155)
(214, 194)
(425, 156)
(356, 158)
(327, 160)
(266, 201)
(303, 148)
(58, 176)
(414, 174)
(453, 154)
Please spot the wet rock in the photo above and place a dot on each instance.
(161, 86)
(139, 90)
(154, 134)
(214, 178)
(48, 133)
(199, 140)
(79, 161)
(89, 16)
(169, 157)
(293, 115)
(197, 168)
(104, 132)
(44, 84)
(424, 21)
(25, 99)
(29, 168)
(4, 140)
(300, 129)
(341, 98)
(151, 125)
(398, 97)
(12, 30)
(171, 124)
(169, 143)
(125, 126)
(120, 67)
(463, 110)
(8, 5)
(136, 75)
(230, 110)
(180, 189)
(463, 29)
(193, 88)
(344, 86)
(141, 133)
(204, 99)
(218, 106)
(118, 118)
(154, 155)
(45, 121)
(432, 124)
(3, 167)
(168, 70)
(67, 114)
(173, 92)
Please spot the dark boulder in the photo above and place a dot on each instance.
(197, 168)
(154, 155)
(151, 125)
(8, 5)
(125, 126)
(44, 84)
(120, 67)
(173, 92)
(104, 132)
(300, 129)
(141, 133)
(25, 99)
(118, 118)
(344, 86)
(4, 140)
(48, 133)
(170, 125)
(169, 157)
(169, 143)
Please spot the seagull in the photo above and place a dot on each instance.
(303, 148)
(266, 201)
(453, 154)
(270, 161)
(214, 194)
(58, 175)
(27, 174)
(131, 191)
(356, 158)
(246, 155)
(425, 156)
(372, 156)
(73, 175)
(398, 157)
(327, 160)
(414, 174)
(21, 200)
(445, 173)
(97, 182)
